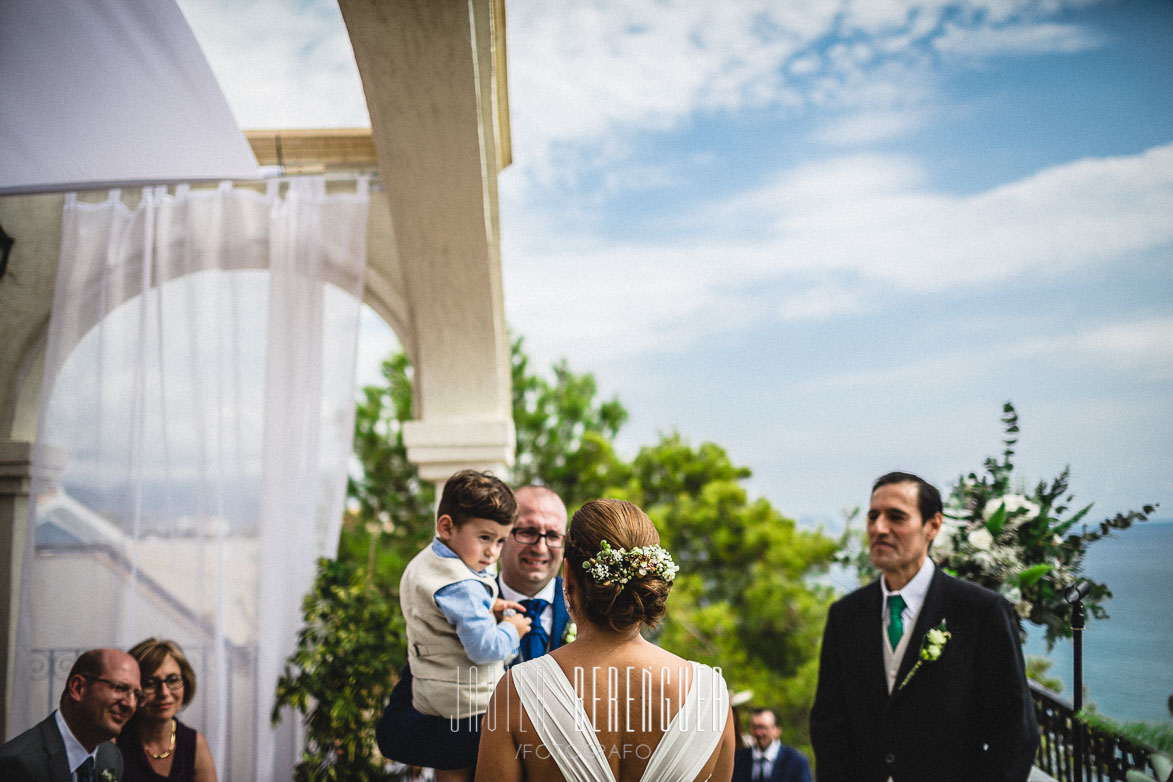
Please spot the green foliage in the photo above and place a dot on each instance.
(1038, 670)
(1029, 545)
(340, 676)
(564, 433)
(742, 601)
(1157, 736)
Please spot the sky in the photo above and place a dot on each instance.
(831, 237)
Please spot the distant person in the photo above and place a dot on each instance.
(155, 745)
(74, 742)
(458, 636)
(530, 560)
(769, 760)
(921, 677)
(611, 705)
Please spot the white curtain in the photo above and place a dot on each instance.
(196, 424)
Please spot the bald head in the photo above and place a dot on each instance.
(101, 694)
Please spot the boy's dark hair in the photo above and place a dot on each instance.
(477, 495)
(928, 499)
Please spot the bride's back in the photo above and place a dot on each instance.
(627, 702)
(610, 706)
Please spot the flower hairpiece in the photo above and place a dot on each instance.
(616, 565)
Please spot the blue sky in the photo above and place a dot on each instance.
(832, 237)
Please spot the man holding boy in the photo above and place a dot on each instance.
(530, 553)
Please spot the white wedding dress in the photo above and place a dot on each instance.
(568, 735)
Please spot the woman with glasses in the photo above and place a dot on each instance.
(155, 745)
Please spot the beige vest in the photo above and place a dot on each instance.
(445, 682)
(893, 657)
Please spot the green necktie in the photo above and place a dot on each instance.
(896, 605)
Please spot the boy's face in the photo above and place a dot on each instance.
(477, 542)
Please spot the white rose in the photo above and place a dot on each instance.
(981, 539)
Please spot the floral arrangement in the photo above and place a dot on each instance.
(1027, 545)
(931, 647)
(616, 565)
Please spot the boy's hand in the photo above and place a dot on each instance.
(500, 605)
(520, 621)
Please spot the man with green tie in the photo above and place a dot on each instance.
(921, 676)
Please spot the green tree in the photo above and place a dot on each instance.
(338, 676)
(564, 433)
(744, 599)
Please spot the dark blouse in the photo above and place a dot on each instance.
(137, 767)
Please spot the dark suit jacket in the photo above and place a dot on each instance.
(405, 735)
(38, 755)
(789, 766)
(966, 716)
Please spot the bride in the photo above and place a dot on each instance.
(611, 706)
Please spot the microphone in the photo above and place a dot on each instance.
(1077, 591)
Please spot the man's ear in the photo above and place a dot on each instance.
(934, 525)
(445, 526)
(75, 687)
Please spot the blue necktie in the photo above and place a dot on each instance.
(85, 772)
(534, 643)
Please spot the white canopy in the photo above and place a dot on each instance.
(109, 93)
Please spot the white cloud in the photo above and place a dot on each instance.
(584, 76)
(828, 238)
(280, 66)
(1143, 348)
(1019, 40)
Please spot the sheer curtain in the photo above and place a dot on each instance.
(196, 424)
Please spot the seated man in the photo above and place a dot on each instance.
(100, 695)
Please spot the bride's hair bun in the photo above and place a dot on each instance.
(642, 600)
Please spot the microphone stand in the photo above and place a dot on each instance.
(1074, 595)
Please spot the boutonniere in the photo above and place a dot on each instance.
(107, 775)
(930, 649)
(570, 633)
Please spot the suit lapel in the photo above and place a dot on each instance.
(868, 619)
(932, 611)
(54, 745)
(560, 615)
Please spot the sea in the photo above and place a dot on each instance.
(1127, 658)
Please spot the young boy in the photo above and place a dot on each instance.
(456, 648)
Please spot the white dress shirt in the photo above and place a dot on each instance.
(75, 753)
(545, 593)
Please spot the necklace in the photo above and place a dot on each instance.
(170, 749)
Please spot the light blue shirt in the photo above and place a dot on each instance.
(75, 753)
(469, 606)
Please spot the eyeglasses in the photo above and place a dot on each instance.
(120, 689)
(173, 681)
(529, 536)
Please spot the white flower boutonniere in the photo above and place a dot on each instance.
(570, 633)
(107, 775)
(930, 649)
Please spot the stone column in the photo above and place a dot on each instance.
(16, 481)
